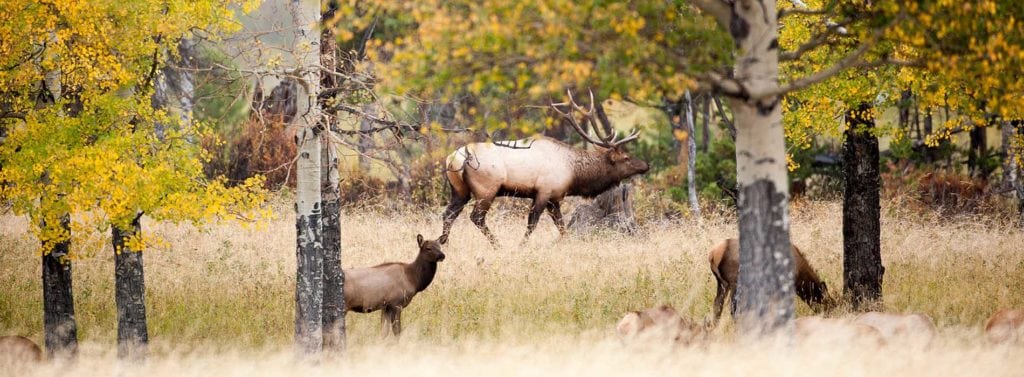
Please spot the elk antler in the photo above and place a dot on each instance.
(606, 141)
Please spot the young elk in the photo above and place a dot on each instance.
(725, 265)
(18, 350)
(912, 329)
(1006, 326)
(543, 169)
(391, 286)
(659, 324)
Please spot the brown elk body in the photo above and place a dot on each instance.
(909, 329)
(660, 323)
(1006, 326)
(725, 265)
(543, 169)
(18, 350)
(831, 332)
(390, 287)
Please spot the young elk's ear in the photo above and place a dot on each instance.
(443, 240)
(419, 240)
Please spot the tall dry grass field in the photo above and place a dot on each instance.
(220, 301)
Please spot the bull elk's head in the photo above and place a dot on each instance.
(612, 147)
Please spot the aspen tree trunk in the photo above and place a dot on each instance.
(309, 274)
(705, 134)
(59, 326)
(1011, 130)
(129, 295)
(691, 160)
(334, 297)
(764, 293)
(862, 250)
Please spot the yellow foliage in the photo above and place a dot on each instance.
(104, 163)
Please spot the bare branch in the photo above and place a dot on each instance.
(12, 115)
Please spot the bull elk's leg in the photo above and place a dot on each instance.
(555, 210)
(479, 217)
(455, 205)
(539, 203)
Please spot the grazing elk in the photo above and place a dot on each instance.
(1006, 326)
(914, 329)
(725, 265)
(658, 324)
(543, 169)
(18, 350)
(390, 287)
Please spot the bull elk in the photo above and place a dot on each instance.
(543, 169)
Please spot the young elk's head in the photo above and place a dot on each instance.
(431, 249)
(816, 294)
(622, 164)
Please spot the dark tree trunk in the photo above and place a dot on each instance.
(333, 296)
(862, 258)
(59, 326)
(130, 295)
(977, 152)
(906, 98)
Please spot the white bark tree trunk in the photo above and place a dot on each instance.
(764, 294)
(309, 233)
(691, 165)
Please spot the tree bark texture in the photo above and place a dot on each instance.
(705, 135)
(129, 295)
(691, 157)
(862, 255)
(334, 297)
(977, 152)
(764, 293)
(612, 209)
(1012, 130)
(309, 274)
(59, 326)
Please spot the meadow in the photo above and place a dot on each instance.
(220, 300)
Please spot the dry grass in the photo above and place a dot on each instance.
(220, 301)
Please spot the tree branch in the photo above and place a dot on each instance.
(850, 60)
(718, 9)
(816, 41)
(803, 11)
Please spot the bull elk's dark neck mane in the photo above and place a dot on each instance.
(592, 175)
(421, 272)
